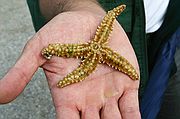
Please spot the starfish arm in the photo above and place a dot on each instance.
(104, 30)
(118, 62)
(86, 67)
(65, 50)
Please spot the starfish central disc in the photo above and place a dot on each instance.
(92, 53)
(95, 47)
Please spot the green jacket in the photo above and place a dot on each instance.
(133, 21)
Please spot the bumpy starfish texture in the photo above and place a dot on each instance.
(92, 53)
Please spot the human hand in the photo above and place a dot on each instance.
(106, 93)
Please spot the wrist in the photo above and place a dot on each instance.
(89, 5)
(50, 9)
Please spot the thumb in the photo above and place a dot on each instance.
(14, 82)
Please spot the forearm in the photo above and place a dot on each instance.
(50, 8)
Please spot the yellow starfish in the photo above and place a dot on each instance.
(92, 53)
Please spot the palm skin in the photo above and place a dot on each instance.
(105, 94)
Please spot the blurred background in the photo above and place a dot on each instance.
(15, 30)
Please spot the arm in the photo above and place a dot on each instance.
(50, 8)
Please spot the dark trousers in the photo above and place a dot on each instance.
(170, 108)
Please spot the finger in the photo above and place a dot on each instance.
(129, 105)
(20, 74)
(91, 113)
(66, 112)
(111, 110)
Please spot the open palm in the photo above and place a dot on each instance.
(105, 94)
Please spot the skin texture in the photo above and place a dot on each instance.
(105, 94)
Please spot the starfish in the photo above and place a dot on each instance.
(92, 53)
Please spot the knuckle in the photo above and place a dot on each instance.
(130, 109)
